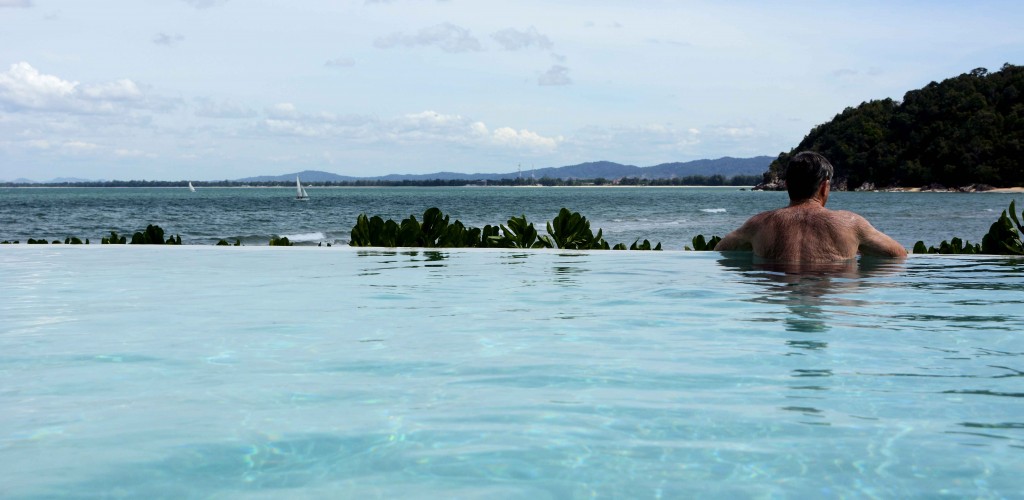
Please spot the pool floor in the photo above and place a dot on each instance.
(334, 372)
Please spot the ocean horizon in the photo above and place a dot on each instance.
(670, 215)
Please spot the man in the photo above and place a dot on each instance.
(806, 231)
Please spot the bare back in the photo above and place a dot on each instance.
(810, 232)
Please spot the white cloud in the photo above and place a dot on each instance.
(289, 127)
(167, 39)
(120, 90)
(15, 3)
(208, 108)
(525, 139)
(446, 36)
(736, 131)
(432, 119)
(554, 76)
(513, 39)
(425, 127)
(282, 111)
(641, 140)
(24, 87)
(79, 146)
(285, 119)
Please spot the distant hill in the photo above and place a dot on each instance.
(55, 180)
(965, 130)
(72, 180)
(305, 176)
(726, 167)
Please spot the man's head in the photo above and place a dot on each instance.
(805, 174)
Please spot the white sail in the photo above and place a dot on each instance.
(190, 187)
(300, 192)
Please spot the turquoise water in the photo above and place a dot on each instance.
(334, 372)
(669, 215)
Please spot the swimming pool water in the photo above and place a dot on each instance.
(311, 372)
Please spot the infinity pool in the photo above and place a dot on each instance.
(332, 372)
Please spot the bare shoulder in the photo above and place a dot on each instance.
(742, 237)
(763, 217)
(872, 241)
(847, 215)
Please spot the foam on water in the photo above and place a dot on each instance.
(713, 210)
(305, 237)
(219, 372)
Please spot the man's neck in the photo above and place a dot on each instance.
(812, 202)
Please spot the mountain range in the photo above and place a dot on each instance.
(726, 167)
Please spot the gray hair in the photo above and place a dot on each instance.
(805, 173)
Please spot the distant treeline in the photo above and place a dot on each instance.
(965, 130)
(690, 180)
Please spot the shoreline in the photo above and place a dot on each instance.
(1003, 190)
(1015, 189)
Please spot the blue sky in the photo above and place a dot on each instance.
(222, 89)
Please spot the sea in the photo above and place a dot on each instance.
(669, 215)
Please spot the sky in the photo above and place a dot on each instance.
(224, 89)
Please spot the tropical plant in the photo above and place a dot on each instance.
(570, 230)
(646, 245)
(154, 235)
(486, 237)
(702, 245)
(113, 239)
(1004, 236)
(374, 231)
(518, 234)
(953, 246)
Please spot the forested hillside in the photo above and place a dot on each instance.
(964, 130)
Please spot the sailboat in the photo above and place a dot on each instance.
(300, 192)
(190, 187)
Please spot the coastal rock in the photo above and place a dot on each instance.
(770, 186)
(867, 186)
(975, 188)
(934, 188)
